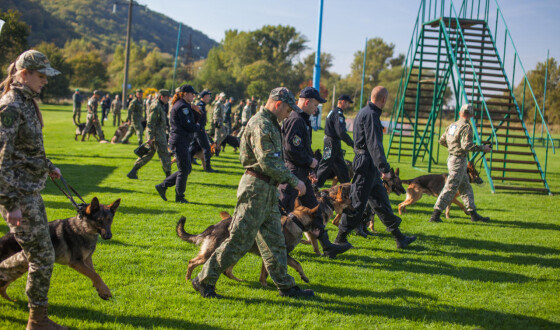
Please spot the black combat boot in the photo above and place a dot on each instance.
(401, 239)
(167, 174)
(359, 231)
(295, 292)
(205, 290)
(194, 161)
(332, 250)
(133, 172)
(181, 200)
(161, 191)
(477, 217)
(342, 237)
(436, 216)
(209, 168)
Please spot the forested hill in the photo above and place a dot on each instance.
(61, 20)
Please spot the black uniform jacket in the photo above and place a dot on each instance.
(335, 127)
(182, 122)
(296, 141)
(368, 138)
(201, 118)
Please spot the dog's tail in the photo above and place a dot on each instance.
(195, 239)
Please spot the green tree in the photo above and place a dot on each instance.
(87, 63)
(58, 86)
(13, 38)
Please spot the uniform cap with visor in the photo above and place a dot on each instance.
(35, 61)
(283, 94)
(467, 109)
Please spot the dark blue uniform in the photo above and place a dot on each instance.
(333, 158)
(296, 144)
(200, 140)
(227, 117)
(183, 127)
(369, 161)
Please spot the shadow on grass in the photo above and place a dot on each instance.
(523, 224)
(65, 156)
(85, 314)
(446, 314)
(217, 185)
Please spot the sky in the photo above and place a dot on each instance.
(534, 25)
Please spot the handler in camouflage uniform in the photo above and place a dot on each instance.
(23, 171)
(458, 139)
(218, 117)
(245, 116)
(92, 119)
(76, 106)
(157, 140)
(257, 217)
(237, 116)
(134, 118)
(116, 107)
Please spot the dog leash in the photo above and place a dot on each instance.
(68, 193)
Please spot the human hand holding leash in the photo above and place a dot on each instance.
(56, 174)
(14, 217)
(314, 163)
(386, 176)
(301, 188)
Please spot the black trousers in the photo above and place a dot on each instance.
(367, 188)
(201, 141)
(332, 164)
(184, 167)
(288, 196)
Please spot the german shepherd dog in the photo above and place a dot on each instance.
(432, 184)
(119, 133)
(232, 140)
(293, 226)
(74, 241)
(339, 196)
(80, 130)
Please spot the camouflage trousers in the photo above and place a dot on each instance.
(38, 254)
(256, 218)
(221, 134)
(458, 179)
(117, 118)
(135, 127)
(76, 111)
(160, 146)
(92, 120)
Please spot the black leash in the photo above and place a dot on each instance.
(68, 194)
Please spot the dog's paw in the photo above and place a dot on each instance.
(304, 278)
(104, 293)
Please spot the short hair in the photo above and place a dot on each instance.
(378, 93)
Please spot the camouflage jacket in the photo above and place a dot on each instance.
(458, 139)
(261, 148)
(246, 114)
(218, 113)
(157, 121)
(135, 109)
(116, 106)
(92, 104)
(237, 113)
(23, 164)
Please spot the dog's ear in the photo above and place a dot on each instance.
(314, 210)
(225, 215)
(339, 195)
(115, 205)
(397, 172)
(392, 172)
(93, 206)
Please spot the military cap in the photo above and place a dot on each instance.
(283, 94)
(311, 93)
(35, 61)
(139, 90)
(97, 92)
(467, 109)
(77, 89)
(163, 92)
(187, 89)
(205, 92)
(222, 94)
(345, 97)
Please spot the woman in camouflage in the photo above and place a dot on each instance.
(23, 172)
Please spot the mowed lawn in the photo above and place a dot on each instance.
(458, 274)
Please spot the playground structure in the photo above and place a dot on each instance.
(461, 53)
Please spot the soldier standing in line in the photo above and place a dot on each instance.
(23, 172)
(200, 140)
(335, 131)
(218, 119)
(157, 140)
(458, 139)
(369, 165)
(92, 119)
(237, 116)
(183, 127)
(77, 106)
(256, 216)
(296, 144)
(134, 118)
(227, 115)
(246, 114)
(116, 107)
(212, 130)
(105, 107)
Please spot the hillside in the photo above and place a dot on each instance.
(61, 20)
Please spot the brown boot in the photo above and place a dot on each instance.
(38, 319)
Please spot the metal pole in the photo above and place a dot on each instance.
(127, 54)
(176, 55)
(317, 68)
(363, 75)
(544, 97)
(333, 95)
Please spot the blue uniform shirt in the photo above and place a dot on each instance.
(368, 136)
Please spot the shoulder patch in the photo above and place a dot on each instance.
(296, 140)
(341, 120)
(452, 130)
(186, 111)
(8, 118)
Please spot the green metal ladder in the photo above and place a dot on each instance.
(456, 54)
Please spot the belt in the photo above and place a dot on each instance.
(262, 177)
(360, 151)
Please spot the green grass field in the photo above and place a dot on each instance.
(502, 274)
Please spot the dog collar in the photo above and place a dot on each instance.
(295, 220)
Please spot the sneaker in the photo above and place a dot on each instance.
(161, 191)
(205, 290)
(295, 292)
